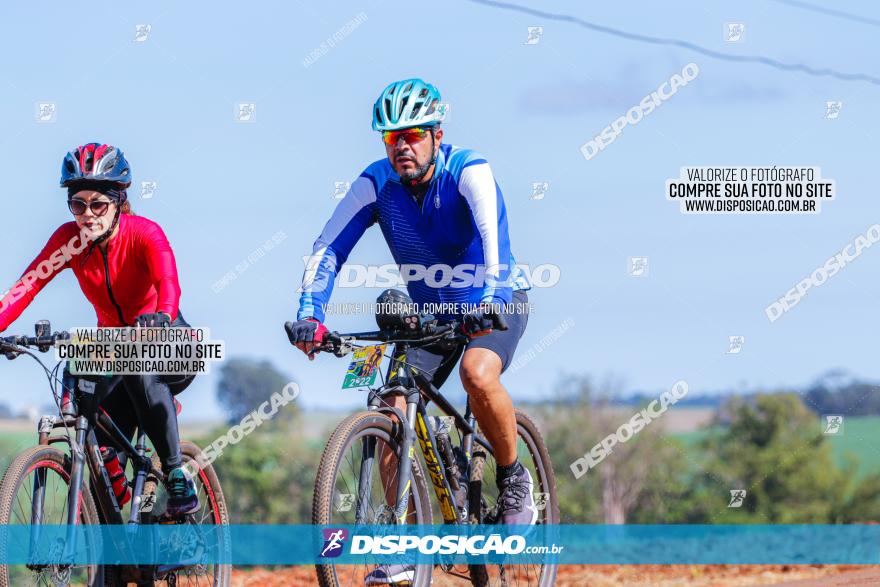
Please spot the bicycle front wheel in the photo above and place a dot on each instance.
(352, 489)
(34, 492)
(212, 511)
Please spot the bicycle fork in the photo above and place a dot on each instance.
(74, 497)
(407, 450)
(418, 429)
(404, 469)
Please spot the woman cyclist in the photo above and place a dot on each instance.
(127, 271)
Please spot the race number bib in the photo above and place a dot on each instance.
(364, 367)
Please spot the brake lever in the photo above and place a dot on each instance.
(344, 346)
(334, 344)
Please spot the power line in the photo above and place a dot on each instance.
(825, 72)
(832, 12)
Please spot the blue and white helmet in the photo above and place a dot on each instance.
(407, 103)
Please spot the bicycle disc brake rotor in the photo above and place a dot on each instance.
(385, 515)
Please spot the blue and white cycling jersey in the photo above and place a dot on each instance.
(462, 225)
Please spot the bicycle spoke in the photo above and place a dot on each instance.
(25, 519)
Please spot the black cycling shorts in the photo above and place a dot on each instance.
(144, 400)
(439, 362)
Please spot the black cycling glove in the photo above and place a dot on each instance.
(155, 320)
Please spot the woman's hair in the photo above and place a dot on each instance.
(126, 208)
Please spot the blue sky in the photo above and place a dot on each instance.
(225, 187)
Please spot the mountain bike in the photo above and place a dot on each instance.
(48, 485)
(349, 488)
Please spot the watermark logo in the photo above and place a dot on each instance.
(735, 344)
(638, 266)
(534, 35)
(46, 112)
(437, 276)
(343, 502)
(750, 190)
(628, 429)
(331, 41)
(448, 544)
(444, 112)
(833, 425)
(246, 263)
(340, 188)
(141, 32)
(134, 350)
(523, 359)
(148, 189)
(734, 32)
(46, 268)
(541, 500)
(334, 541)
(442, 424)
(245, 112)
(262, 413)
(634, 115)
(737, 497)
(539, 189)
(148, 502)
(832, 109)
(820, 275)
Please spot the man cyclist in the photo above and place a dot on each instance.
(435, 204)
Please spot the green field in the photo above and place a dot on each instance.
(861, 438)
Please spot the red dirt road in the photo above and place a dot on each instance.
(636, 575)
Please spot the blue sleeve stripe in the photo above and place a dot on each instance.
(473, 162)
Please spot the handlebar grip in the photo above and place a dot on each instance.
(331, 338)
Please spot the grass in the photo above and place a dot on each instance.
(860, 438)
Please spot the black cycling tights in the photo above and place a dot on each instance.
(131, 399)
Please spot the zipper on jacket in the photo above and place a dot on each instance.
(421, 206)
(109, 289)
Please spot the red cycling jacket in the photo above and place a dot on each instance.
(137, 274)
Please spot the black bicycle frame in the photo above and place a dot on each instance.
(85, 451)
(416, 387)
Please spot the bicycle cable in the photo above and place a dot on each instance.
(52, 377)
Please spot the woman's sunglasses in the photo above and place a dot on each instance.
(78, 207)
(410, 135)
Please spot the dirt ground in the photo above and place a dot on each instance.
(637, 575)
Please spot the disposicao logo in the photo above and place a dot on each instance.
(334, 542)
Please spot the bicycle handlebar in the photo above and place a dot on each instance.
(428, 331)
(340, 344)
(12, 346)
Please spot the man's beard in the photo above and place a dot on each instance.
(418, 173)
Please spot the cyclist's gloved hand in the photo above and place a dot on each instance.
(9, 352)
(153, 320)
(306, 335)
(481, 322)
